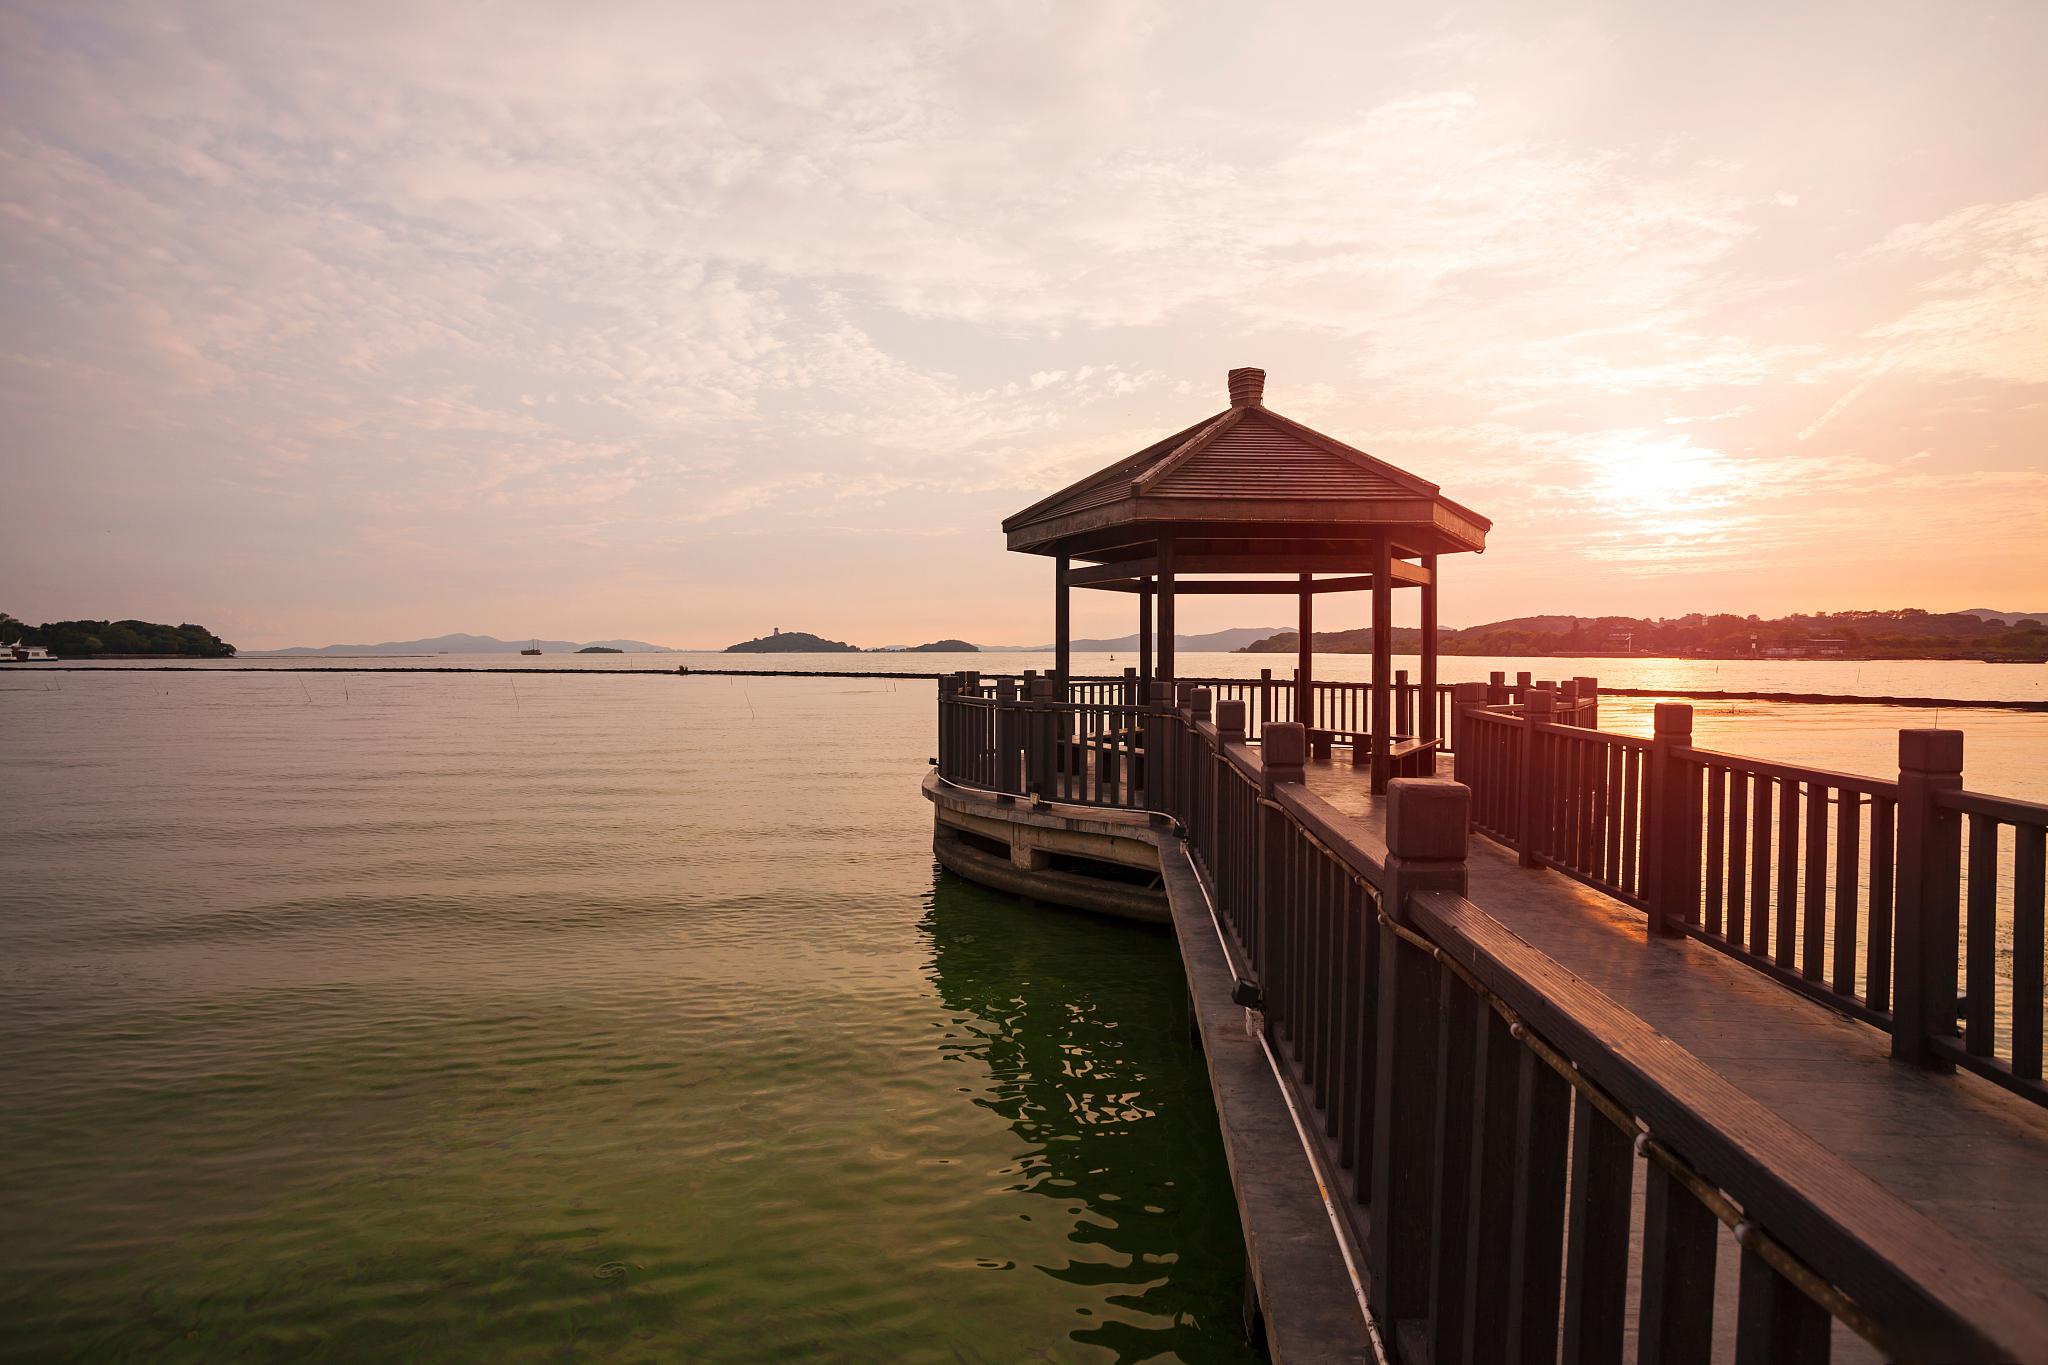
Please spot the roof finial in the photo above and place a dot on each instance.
(1247, 388)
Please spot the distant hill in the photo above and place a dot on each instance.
(938, 647)
(599, 649)
(475, 644)
(791, 642)
(1909, 633)
(1216, 642)
(2007, 618)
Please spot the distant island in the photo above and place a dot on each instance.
(782, 641)
(116, 639)
(1908, 633)
(599, 649)
(477, 644)
(935, 647)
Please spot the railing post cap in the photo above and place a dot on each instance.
(1184, 695)
(1286, 745)
(1162, 693)
(1931, 751)
(1199, 699)
(1427, 818)
(1672, 718)
(1539, 699)
(1230, 718)
(1006, 689)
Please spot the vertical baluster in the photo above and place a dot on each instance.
(1738, 851)
(1458, 1015)
(1716, 818)
(1813, 945)
(1677, 1313)
(1981, 931)
(1760, 867)
(1362, 1115)
(1631, 817)
(1788, 875)
(1345, 1034)
(1598, 823)
(1877, 974)
(1596, 1250)
(2030, 843)
(1774, 1321)
(1536, 1219)
(1401, 1133)
(1614, 799)
(1848, 853)
(1490, 1198)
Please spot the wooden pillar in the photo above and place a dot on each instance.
(1063, 632)
(1304, 669)
(1382, 660)
(1165, 609)
(1145, 637)
(1429, 700)
(1929, 874)
(1670, 858)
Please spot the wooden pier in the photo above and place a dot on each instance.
(1556, 1107)
(1593, 1046)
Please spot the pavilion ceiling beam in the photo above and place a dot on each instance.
(1095, 575)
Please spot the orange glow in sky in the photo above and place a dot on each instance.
(368, 322)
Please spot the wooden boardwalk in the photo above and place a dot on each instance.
(1971, 1156)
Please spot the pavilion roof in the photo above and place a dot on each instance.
(1245, 475)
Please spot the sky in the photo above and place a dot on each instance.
(675, 322)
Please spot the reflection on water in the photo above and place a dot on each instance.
(1079, 1030)
(419, 1018)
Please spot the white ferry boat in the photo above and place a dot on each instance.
(26, 654)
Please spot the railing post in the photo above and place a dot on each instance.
(1589, 693)
(1668, 844)
(1265, 697)
(1427, 819)
(1230, 722)
(1404, 716)
(1285, 753)
(1041, 762)
(1131, 697)
(1009, 740)
(1537, 705)
(1199, 699)
(1497, 689)
(1930, 869)
(1522, 684)
(1568, 702)
(1464, 697)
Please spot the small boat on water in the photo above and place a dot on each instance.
(26, 654)
(534, 650)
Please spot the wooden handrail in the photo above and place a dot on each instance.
(1937, 1297)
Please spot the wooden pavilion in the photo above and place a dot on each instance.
(1250, 502)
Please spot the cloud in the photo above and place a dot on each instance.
(551, 280)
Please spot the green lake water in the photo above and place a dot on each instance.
(433, 1018)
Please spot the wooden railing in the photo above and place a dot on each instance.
(2001, 1014)
(1845, 888)
(1475, 1110)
